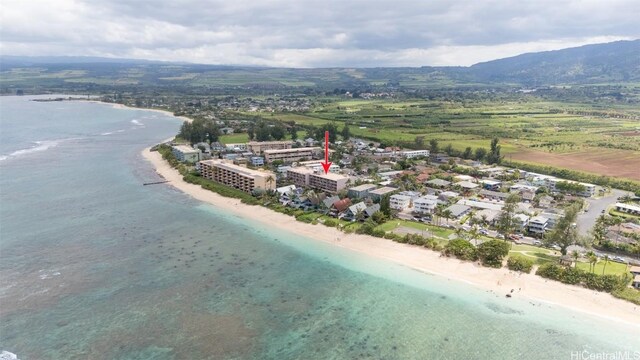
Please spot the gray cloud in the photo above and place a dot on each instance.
(311, 33)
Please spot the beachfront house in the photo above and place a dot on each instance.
(326, 205)
(339, 207)
(186, 153)
(425, 205)
(355, 212)
(399, 202)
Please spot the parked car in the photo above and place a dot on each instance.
(484, 232)
(500, 236)
(619, 259)
(537, 242)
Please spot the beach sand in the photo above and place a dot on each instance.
(501, 281)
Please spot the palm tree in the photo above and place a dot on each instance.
(606, 261)
(473, 234)
(593, 259)
(447, 215)
(575, 254)
(270, 180)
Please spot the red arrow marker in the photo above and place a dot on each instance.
(326, 164)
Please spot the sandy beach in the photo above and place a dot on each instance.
(500, 281)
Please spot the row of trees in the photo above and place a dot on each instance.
(199, 130)
(493, 156)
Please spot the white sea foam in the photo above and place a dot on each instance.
(38, 146)
(6, 355)
(136, 122)
(48, 274)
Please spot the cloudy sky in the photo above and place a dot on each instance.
(311, 33)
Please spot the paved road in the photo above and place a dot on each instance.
(596, 206)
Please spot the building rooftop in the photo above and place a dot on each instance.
(331, 176)
(438, 182)
(185, 149)
(383, 190)
(238, 169)
(467, 184)
(458, 209)
(280, 151)
(363, 187)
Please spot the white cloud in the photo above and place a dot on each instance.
(311, 33)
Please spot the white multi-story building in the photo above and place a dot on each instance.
(290, 155)
(425, 205)
(258, 147)
(589, 189)
(415, 153)
(399, 202)
(538, 225)
(186, 153)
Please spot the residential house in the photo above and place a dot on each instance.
(425, 205)
(399, 202)
(361, 191)
(520, 221)
(458, 211)
(186, 153)
(355, 212)
(493, 195)
(466, 185)
(545, 201)
(372, 209)
(339, 207)
(438, 183)
(491, 184)
(489, 216)
(448, 196)
(327, 204)
(378, 194)
(538, 225)
(257, 160)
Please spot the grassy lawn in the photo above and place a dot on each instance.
(234, 138)
(612, 268)
(537, 254)
(436, 230)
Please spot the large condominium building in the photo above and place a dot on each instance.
(415, 153)
(305, 176)
(316, 165)
(329, 182)
(299, 175)
(186, 153)
(258, 147)
(290, 155)
(237, 176)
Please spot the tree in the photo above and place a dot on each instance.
(593, 259)
(446, 213)
(250, 132)
(263, 132)
(492, 252)
(462, 249)
(293, 131)
(346, 133)
(433, 146)
(506, 223)
(480, 154)
(385, 205)
(331, 128)
(277, 132)
(419, 141)
(575, 255)
(379, 217)
(599, 230)
(467, 153)
(494, 153)
(606, 261)
(564, 234)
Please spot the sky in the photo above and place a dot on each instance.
(328, 33)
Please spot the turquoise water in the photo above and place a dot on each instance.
(93, 265)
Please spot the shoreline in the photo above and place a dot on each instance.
(500, 281)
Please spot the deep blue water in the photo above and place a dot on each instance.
(93, 265)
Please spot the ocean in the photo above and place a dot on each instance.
(93, 265)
